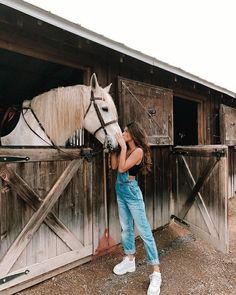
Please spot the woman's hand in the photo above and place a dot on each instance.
(121, 141)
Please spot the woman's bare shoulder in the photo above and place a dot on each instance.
(139, 150)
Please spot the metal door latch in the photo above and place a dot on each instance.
(12, 277)
(151, 112)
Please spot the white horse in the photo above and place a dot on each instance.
(52, 117)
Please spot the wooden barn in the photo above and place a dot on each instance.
(54, 209)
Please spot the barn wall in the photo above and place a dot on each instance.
(156, 188)
(232, 172)
(26, 35)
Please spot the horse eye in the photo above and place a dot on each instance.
(105, 109)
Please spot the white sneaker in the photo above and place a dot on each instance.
(155, 284)
(125, 266)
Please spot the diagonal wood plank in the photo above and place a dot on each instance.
(33, 200)
(199, 200)
(38, 217)
(202, 178)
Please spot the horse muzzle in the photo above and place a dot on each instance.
(109, 145)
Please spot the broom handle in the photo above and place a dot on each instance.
(105, 189)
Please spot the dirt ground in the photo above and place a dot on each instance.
(189, 266)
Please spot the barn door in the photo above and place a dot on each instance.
(150, 105)
(46, 215)
(200, 191)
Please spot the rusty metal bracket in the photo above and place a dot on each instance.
(219, 153)
(12, 277)
(179, 153)
(179, 220)
(13, 159)
(88, 155)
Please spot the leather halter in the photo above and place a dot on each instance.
(92, 101)
(103, 124)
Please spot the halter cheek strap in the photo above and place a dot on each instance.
(100, 118)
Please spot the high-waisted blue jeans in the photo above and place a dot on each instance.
(132, 211)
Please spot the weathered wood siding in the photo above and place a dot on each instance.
(156, 188)
(232, 172)
(228, 125)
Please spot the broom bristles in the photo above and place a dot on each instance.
(106, 245)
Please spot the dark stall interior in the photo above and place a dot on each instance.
(185, 122)
(23, 77)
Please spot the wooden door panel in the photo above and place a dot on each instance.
(149, 105)
(201, 191)
(46, 214)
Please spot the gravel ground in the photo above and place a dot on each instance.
(189, 266)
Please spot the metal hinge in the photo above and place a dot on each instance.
(12, 277)
(14, 159)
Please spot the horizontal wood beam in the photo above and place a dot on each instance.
(43, 154)
(46, 269)
(13, 42)
(204, 151)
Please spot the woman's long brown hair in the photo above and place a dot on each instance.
(141, 140)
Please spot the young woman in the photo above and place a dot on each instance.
(135, 156)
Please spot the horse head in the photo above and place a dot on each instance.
(52, 117)
(101, 118)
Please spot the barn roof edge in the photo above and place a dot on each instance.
(77, 29)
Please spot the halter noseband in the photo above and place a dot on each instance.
(103, 124)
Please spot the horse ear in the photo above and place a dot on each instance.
(107, 89)
(94, 81)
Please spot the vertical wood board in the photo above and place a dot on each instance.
(227, 125)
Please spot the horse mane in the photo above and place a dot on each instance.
(61, 111)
